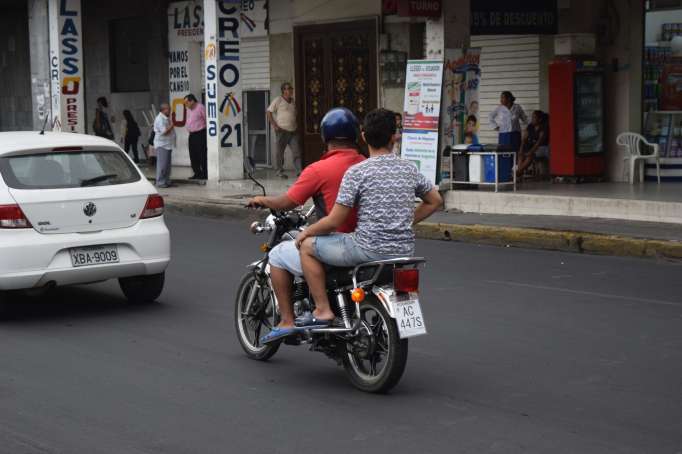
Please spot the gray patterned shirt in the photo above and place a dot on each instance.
(383, 188)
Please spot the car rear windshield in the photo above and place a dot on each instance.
(68, 169)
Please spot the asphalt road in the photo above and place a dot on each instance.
(528, 351)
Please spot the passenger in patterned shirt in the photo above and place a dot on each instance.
(383, 189)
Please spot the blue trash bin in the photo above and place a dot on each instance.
(506, 162)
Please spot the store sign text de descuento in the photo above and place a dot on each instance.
(514, 17)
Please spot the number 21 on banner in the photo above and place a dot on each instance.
(226, 131)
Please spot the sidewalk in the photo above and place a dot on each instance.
(563, 233)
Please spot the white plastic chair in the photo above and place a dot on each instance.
(633, 142)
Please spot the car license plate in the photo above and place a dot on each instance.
(94, 255)
(408, 315)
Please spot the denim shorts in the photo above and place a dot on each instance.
(286, 256)
(340, 249)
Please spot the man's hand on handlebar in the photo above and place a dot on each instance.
(256, 202)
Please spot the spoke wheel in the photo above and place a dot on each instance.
(255, 321)
(375, 359)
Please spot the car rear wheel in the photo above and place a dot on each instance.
(142, 289)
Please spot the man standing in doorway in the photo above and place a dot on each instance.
(282, 116)
(164, 141)
(196, 126)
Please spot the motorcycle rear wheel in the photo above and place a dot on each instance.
(262, 315)
(375, 362)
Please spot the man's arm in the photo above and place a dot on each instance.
(431, 202)
(170, 128)
(278, 203)
(272, 121)
(327, 224)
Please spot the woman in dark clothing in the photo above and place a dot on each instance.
(131, 134)
(535, 143)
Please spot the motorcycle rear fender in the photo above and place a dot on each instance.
(384, 295)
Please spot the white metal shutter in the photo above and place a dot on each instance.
(508, 62)
(255, 63)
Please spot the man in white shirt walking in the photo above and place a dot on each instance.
(164, 141)
(282, 116)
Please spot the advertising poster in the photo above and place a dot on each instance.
(461, 79)
(421, 115)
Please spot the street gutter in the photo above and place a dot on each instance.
(532, 238)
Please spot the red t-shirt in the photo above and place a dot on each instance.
(321, 181)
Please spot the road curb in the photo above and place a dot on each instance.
(216, 210)
(532, 238)
(557, 240)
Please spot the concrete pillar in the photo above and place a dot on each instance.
(66, 65)
(40, 63)
(223, 90)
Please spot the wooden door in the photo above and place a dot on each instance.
(335, 67)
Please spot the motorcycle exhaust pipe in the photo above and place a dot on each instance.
(353, 328)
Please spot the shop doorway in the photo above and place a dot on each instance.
(256, 128)
(662, 88)
(335, 67)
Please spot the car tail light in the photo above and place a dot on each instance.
(11, 217)
(153, 207)
(406, 280)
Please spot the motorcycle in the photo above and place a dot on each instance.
(376, 306)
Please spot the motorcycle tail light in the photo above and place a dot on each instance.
(406, 280)
(153, 207)
(11, 217)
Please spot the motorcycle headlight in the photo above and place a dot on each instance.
(270, 221)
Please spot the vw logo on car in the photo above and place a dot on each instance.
(90, 209)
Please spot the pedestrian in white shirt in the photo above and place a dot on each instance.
(508, 120)
(282, 116)
(164, 141)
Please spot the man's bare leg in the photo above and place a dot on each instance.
(282, 284)
(315, 277)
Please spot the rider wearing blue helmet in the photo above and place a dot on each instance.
(320, 181)
(382, 189)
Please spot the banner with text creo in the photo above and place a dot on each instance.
(421, 115)
(223, 89)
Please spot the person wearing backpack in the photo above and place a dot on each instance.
(131, 134)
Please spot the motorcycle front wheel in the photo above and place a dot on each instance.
(375, 360)
(252, 321)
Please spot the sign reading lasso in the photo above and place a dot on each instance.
(66, 65)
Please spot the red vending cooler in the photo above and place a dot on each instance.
(576, 118)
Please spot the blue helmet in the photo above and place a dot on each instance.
(340, 123)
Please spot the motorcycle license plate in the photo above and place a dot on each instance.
(94, 255)
(408, 315)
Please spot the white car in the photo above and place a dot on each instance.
(74, 209)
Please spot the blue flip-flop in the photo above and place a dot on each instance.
(277, 334)
(307, 320)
